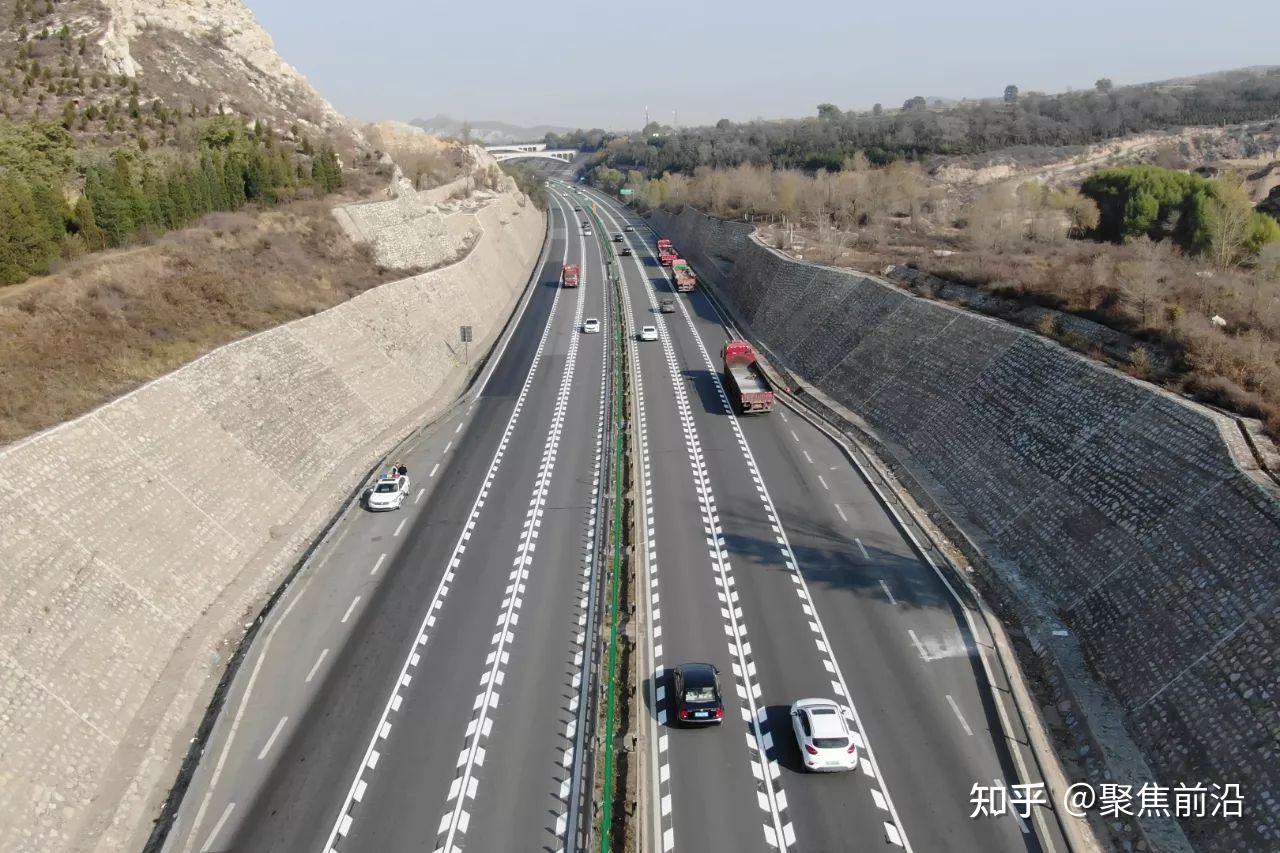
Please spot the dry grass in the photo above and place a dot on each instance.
(104, 324)
(1141, 289)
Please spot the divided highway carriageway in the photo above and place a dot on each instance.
(430, 681)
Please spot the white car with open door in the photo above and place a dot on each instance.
(389, 492)
(823, 735)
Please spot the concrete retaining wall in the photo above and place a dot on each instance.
(135, 541)
(1140, 519)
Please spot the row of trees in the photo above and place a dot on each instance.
(915, 132)
(1212, 217)
(126, 192)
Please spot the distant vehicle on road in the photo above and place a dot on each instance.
(389, 492)
(685, 278)
(624, 252)
(666, 254)
(822, 733)
(667, 306)
(697, 694)
(590, 326)
(569, 275)
(649, 333)
(628, 229)
(748, 388)
(577, 207)
(617, 238)
(586, 230)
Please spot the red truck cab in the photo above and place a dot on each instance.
(666, 253)
(569, 275)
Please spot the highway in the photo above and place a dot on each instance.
(442, 707)
(420, 686)
(768, 556)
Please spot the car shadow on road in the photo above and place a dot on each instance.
(785, 750)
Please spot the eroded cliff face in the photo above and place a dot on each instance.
(210, 52)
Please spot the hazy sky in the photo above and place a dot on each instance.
(584, 64)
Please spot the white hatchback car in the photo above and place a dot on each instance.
(648, 333)
(590, 326)
(388, 493)
(826, 744)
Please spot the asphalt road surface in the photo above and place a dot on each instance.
(770, 558)
(419, 688)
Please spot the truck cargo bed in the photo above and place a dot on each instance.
(749, 382)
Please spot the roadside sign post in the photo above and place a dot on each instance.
(466, 344)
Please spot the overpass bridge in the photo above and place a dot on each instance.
(531, 149)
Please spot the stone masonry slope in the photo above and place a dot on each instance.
(1138, 516)
(134, 541)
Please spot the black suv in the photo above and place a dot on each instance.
(697, 694)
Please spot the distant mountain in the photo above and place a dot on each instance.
(487, 132)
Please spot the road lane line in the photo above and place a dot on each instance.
(888, 595)
(266, 747)
(446, 447)
(217, 827)
(400, 527)
(779, 832)
(839, 510)
(350, 607)
(863, 549)
(342, 823)
(434, 470)
(378, 564)
(418, 496)
(959, 716)
(793, 435)
(824, 483)
(324, 653)
(455, 821)
(839, 683)
(915, 641)
(807, 457)
(458, 428)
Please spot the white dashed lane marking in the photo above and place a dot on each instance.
(316, 666)
(892, 828)
(915, 641)
(266, 747)
(954, 707)
(457, 429)
(807, 457)
(447, 446)
(863, 549)
(217, 827)
(378, 565)
(841, 511)
(342, 826)
(887, 593)
(824, 483)
(455, 821)
(794, 436)
(419, 495)
(400, 527)
(434, 469)
(350, 607)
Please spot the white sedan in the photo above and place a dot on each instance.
(648, 333)
(590, 326)
(822, 732)
(388, 493)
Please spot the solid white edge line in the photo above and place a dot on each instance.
(434, 604)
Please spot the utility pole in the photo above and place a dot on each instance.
(646, 117)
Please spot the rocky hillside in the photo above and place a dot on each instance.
(101, 65)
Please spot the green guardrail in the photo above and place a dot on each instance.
(612, 274)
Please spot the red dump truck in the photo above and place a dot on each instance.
(569, 276)
(666, 253)
(745, 381)
(686, 279)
